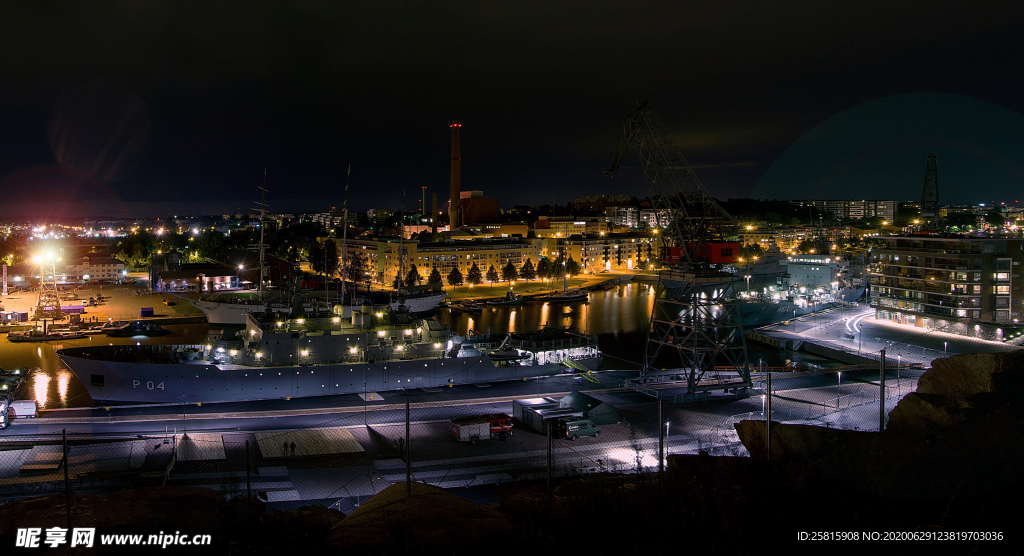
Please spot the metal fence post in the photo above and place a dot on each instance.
(408, 451)
(67, 479)
(881, 393)
(768, 416)
(550, 459)
(661, 437)
(248, 473)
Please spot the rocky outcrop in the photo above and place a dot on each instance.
(965, 376)
(960, 434)
(426, 522)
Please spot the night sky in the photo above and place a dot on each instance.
(146, 107)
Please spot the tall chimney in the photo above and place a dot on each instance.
(455, 185)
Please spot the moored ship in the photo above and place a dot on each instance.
(307, 357)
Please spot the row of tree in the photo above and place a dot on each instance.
(544, 269)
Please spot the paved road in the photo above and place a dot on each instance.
(857, 331)
(316, 412)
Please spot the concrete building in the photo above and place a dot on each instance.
(854, 209)
(566, 226)
(200, 277)
(597, 253)
(812, 271)
(384, 257)
(95, 269)
(475, 208)
(628, 217)
(962, 285)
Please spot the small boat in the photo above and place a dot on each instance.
(35, 336)
(569, 297)
(510, 299)
(138, 328)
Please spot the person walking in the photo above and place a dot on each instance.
(293, 448)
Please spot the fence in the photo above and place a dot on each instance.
(340, 459)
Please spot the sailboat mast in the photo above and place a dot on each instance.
(344, 232)
(261, 207)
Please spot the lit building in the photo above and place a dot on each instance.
(566, 226)
(95, 269)
(597, 252)
(961, 285)
(384, 257)
(812, 271)
(853, 209)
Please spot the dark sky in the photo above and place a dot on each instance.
(132, 107)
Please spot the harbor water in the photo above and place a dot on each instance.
(619, 317)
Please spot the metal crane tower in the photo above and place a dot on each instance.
(695, 326)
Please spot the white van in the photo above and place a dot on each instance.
(24, 409)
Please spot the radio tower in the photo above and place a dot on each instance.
(694, 325)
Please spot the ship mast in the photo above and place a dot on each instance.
(261, 208)
(344, 234)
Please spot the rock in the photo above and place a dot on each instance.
(918, 412)
(426, 522)
(963, 376)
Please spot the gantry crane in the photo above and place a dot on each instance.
(695, 328)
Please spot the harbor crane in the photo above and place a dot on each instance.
(695, 328)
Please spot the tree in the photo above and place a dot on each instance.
(961, 219)
(455, 277)
(330, 257)
(492, 274)
(509, 273)
(413, 278)
(572, 268)
(543, 268)
(527, 272)
(473, 276)
(315, 254)
(356, 271)
(558, 268)
(994, 218)
(435, 279)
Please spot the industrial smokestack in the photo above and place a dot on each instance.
(455, 185)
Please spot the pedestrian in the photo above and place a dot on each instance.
(284, 449)
(293, 448)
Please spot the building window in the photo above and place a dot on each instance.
(1002, 276)
(1001, 289)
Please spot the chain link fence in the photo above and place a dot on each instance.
(341, 458)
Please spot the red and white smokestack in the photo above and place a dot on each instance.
(455, 183)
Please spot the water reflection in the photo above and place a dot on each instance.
(63, 380)
(41, 387)
(52, 385)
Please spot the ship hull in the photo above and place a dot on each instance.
(422, 304)
(118, 381)
(227, 313)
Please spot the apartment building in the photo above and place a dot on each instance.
(963, 285)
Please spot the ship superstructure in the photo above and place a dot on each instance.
(304, 357)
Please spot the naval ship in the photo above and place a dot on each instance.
(305, 357)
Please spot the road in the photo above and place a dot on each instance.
(838, 399)
(855, 330)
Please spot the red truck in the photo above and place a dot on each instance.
(482, 427)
